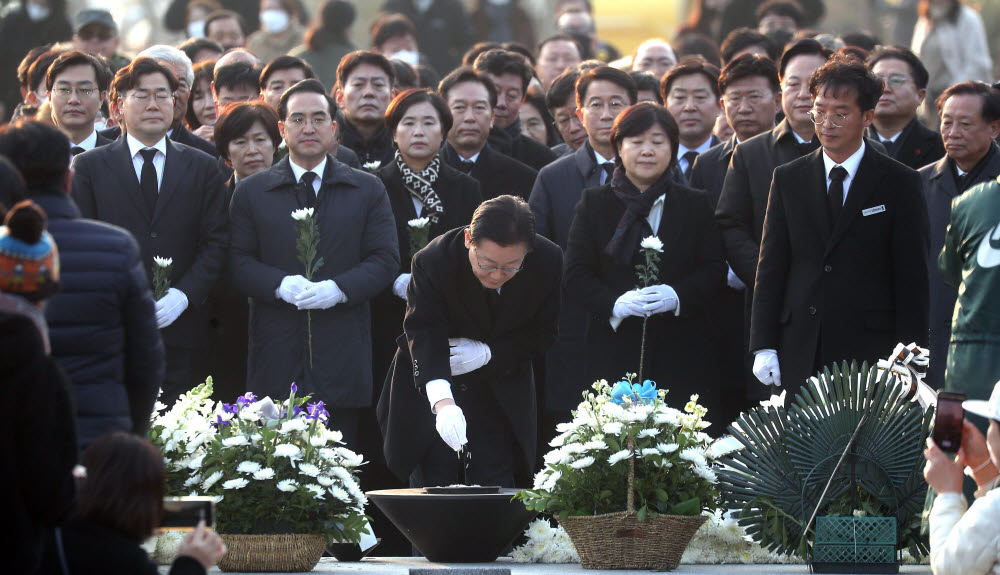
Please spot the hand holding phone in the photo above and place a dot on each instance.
(949, 418)
(184, 513)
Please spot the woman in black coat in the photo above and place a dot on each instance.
(420, 185)
(603, 251)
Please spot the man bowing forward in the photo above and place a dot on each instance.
(481, 303)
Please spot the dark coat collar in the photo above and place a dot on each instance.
(55, 202)
(280, 174)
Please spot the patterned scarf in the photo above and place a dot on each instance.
(421, 186)
(637, 205)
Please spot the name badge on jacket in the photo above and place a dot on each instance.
(875, 210)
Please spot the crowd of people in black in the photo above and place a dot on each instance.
(800, 183)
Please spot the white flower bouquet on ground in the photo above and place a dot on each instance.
(274, 468)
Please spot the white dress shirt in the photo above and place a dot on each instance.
(850, 164)
(159, 160)
(601, 160)
(299, 171)
(87, 143)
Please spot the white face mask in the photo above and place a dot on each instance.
(196, 29)
(274, 21)
(408, 56)
(37, 13)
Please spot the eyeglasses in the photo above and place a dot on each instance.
(894, 81)
(143, 96)
(817, 117)
(490, 269)
(753, 99)
(596, 106)
(67, 92)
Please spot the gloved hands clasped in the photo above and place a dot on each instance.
(646, 301)
(468, 355)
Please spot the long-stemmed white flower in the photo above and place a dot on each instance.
(648, 273)
(307, 249)
(161, 276)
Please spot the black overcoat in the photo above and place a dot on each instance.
(446, 300)
(680, 353)
(851, 292)
(358, 246)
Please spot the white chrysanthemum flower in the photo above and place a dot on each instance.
(287, 450)
(235, 441)
(540, 478)
(419, 223)
(612, 410)
(308, 469)
(238, 483)
(317, 491)
(339, 494)
(291, 425)
(652, 243)
(248, 467)
(163, 262)
(582, 463)
(323, 480)
(351, 459)
(559, 440)
(328, 454)
(372, 166)
(567, 426)
(650, 451)
(302, 214)
(612, 428)
(553, 457)
(211, 480)
(595, 445)
(341, 474)
(637, 412)
(334, 436)
(648, 432)
(550, 483)
(573, 448)
(666, 448)
(539, 528)
(264, 474)
(157, 406)
(196, 461)
(693, 456)
(317, 440)
(287, 485)
(616, 457)
(193, 480)
(250, 413)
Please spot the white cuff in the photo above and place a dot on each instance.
(182, 294)
(677, 310)
(615, 321)
(760, 351)
(436, 390)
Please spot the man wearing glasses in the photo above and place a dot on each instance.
(172, 198)
(481, 303)
(843, 262)
(904, 81)
(77, 84)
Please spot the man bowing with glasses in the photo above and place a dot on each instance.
(481, 303)
(843, 270)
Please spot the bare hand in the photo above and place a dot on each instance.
(204, 545)
(205, 132)
(973, 445)
(941, 473)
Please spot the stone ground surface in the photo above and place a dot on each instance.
(419, 566)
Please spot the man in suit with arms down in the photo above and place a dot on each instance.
(482, 301)
(690, 90)
(471, 97)
(172, 198)
(843, 266)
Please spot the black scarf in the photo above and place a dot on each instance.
(963, 183)
(637, 206)
(421, 186)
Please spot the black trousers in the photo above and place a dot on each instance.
(179, 377)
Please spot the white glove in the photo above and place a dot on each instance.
(632, 303)
(451, 426)
(399, 286)
(290, 287)
(468, 355)
(666, 299)
(734, 282)
(170, 307)
(765, 367)
(320, 295)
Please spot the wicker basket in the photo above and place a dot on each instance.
(272, 553)
(620, 541)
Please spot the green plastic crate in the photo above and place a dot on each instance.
(855, 545)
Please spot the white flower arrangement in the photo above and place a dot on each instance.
(721, 540)
(546, 544)
(261, 463)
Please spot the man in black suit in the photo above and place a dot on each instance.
(970, 120)
(482, 301)
(363, 91)
(471, 97)
(904, 80)
(180, 64)
(601, 93)
(172, 198)
(751, 95)
(358, 245)
(511, 75)
(690, 92)
(77, 84)
(843, 262)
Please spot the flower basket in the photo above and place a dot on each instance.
(620, 541)
(271, 553)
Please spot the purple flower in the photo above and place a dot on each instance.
(232, 408)
(295, 388)
(318, 411)
(246, 399)
(297, 411)
(219, 422)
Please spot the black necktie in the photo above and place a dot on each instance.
(76, 150)
(890, 147)
(609, 169)
(465, 166)
(147, 178)
(835, 196)
(307, 195)
(690, 156)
